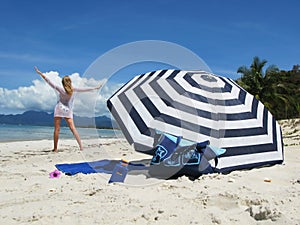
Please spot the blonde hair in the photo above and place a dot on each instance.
(67, 83)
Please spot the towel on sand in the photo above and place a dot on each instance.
(101, 166)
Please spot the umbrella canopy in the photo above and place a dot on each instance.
(198, 106)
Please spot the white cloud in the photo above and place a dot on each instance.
(40, 96)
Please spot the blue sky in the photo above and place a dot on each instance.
(68, 36)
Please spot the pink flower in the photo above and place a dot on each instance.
(55, 174)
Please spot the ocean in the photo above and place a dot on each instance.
(10, 133)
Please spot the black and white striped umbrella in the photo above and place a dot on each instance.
(198, 106)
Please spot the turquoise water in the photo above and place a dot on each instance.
(24, 133)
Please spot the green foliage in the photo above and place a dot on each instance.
(278, 90)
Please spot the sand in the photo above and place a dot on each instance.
(268, 195)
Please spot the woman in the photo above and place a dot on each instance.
(63, 108)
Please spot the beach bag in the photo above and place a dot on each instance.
(174, 157)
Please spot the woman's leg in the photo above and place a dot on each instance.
(72, 127)
(57, 121)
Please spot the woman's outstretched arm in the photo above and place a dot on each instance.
(40, 73)
(88, 89)
(47, 80)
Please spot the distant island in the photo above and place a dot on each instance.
(40, 118)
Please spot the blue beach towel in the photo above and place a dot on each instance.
(101, 166)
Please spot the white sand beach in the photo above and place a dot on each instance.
(268, 195)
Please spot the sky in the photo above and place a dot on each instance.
(65, 37)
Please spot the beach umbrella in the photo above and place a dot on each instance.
(198, 106)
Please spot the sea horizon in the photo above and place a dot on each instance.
(11, 133)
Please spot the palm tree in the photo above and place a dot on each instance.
(263, 85)
(254, 79)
